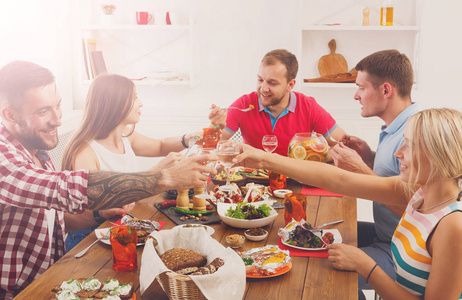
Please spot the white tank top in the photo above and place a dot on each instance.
(127, 162)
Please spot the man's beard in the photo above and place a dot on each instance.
(34, 141)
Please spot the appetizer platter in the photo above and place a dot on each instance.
(181, 216)
(267, 261)
(251, 192)
(254, 175)
(92, 288)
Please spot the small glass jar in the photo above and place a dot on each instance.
(386, 13)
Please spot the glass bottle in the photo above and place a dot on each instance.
(386, 13)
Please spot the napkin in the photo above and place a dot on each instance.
(303, 253)
(314, 191)
(228, 283)
(162, 224)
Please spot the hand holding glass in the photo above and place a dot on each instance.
(227, 151)
(210, 163)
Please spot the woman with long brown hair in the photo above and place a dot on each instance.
(106, 140)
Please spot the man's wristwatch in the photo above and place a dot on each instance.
(100, 220)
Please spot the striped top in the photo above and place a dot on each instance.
(409, 244)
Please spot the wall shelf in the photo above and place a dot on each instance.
(136, 27)
(360, 28)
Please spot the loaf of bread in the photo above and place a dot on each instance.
(210, 268)
(178, 258)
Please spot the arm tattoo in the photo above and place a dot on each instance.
(110, 189)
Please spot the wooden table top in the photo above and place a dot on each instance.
(309, 278)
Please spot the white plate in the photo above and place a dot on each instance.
(99, 232)
(281, 193)
(335, 232)
(223, 207)
(210, 230)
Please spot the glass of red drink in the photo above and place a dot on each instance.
(123, 241)
(295, 207)
(211, 137)
(276, 181)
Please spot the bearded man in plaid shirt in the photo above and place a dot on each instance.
(33, 196)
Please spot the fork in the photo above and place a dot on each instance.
(104, 237)
(331, 138)
(191, 143)
(241, 109)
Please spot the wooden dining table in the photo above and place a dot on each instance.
(309, 278)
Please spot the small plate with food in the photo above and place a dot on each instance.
(221, 178)
(300, 235)
(209, 229)
(256, 234)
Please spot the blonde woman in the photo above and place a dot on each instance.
(107, 141)
(427, 243)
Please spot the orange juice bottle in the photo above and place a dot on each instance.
(386, 13)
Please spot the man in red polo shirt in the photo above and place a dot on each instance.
(277, 109)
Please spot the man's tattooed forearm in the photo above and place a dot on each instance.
(107, 190)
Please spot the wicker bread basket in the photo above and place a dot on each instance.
(179, 287)
(155, 274)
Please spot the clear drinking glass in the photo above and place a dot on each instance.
(226, 151)
(270, 143)
(211, 163)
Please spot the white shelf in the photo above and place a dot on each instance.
(135, 27)
(360, 28)
(154, 82)
(329, 85)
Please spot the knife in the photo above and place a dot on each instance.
(326, 224)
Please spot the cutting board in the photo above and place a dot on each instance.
(332, 63)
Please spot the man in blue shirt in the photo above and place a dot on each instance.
(384, 83)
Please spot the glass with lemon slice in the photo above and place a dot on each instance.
(308, 146)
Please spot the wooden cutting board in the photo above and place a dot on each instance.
(332, 63)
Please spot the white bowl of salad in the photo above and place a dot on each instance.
(246, 215)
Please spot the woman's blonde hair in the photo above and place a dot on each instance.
(437, 135)
(109, 101)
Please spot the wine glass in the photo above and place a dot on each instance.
(270, 143)
(210, 163)
(226, 151)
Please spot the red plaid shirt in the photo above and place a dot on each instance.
(26, 191)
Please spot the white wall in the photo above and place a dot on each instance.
(232, 37)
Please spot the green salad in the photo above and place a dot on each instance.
(246, 211)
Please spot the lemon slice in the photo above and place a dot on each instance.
(299, 152)
(319, 147)
(315, 157)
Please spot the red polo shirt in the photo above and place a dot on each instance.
(303, 114)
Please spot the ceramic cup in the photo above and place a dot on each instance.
(143, 17)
